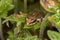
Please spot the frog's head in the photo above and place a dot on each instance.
(30, 20)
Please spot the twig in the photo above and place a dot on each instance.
(25, 6)
(1, 32)
(16, 10)
(44, 23)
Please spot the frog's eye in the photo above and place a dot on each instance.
(38, 20)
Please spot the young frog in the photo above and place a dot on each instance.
(33, 17)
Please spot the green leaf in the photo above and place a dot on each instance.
(11, 35)
(53, 35)
(55, 19)
(16, 19)
(5, 6)
(35, 26)
(27, 26)
(31, 38)
(3, 14)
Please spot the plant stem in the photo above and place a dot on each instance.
(44, 23)
(1, 32)
(25, 6)
(16, 10)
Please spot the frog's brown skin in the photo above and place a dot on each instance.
(34, 16)
(48, 3)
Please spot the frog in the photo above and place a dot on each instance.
(34, 17)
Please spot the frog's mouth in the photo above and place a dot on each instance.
(32, 23)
